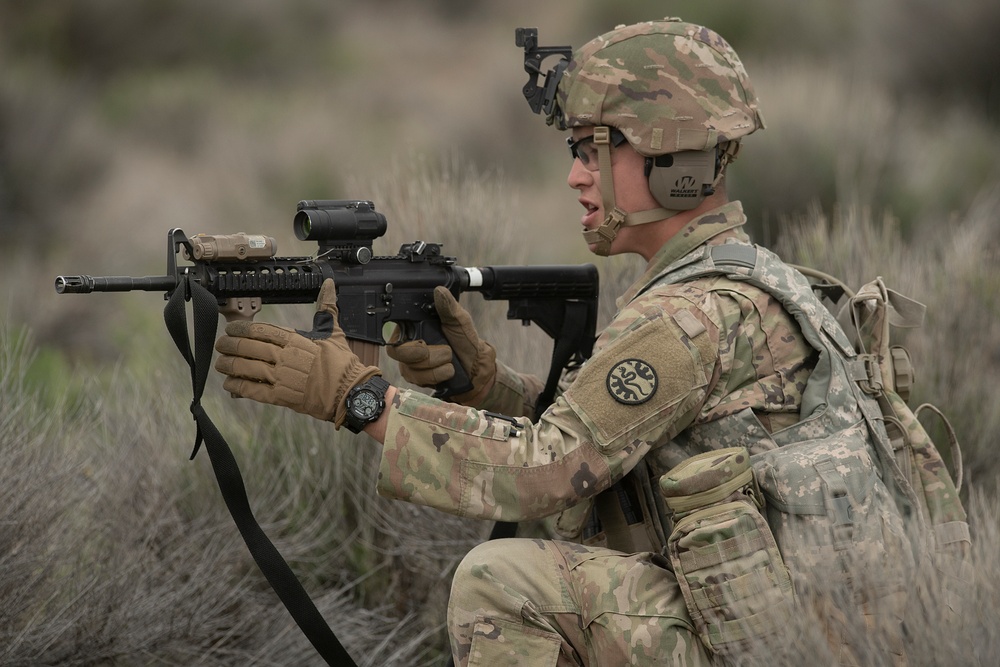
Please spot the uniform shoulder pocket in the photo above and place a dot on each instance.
(651, 372)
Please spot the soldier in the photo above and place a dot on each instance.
(657, 111)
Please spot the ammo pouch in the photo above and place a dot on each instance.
(829, 508)
(736, 586)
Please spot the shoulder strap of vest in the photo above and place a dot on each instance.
(764, 270)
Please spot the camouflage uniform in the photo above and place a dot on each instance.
(699, 358)
(676, 355)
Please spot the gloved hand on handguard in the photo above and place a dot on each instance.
(307, 371)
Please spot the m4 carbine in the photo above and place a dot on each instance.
(242, 272)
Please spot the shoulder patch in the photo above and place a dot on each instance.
(632, 382)
(641, 380)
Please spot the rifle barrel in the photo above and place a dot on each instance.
(88, 284)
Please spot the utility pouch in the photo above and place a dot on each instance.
(734, 581)
(838, 529)
(826, 503)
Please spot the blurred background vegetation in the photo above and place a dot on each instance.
(120, 120)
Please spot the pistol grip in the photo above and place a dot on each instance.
(240, 308)
(460, 383)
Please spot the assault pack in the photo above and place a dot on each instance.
(836, 509)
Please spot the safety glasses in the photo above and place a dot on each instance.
(585, 151)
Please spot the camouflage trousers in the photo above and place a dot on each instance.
(544, 602)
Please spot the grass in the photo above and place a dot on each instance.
(117, 550)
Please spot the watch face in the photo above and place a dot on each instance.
(365, 404)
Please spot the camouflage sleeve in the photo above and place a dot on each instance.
(647, 380)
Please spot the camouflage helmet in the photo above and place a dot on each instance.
(668, 86)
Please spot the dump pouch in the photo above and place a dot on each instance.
(736, 586)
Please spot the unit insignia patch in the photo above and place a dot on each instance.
(632, 382)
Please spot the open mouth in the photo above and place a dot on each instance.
(588, 218)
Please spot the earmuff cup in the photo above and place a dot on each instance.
(681, 181)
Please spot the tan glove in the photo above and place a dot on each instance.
(429, 365)
(307, 371)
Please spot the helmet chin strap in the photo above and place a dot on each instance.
(614, 217)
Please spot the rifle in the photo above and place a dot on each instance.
(243, 272)
(236, 274)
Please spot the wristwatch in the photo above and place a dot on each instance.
(365, 403)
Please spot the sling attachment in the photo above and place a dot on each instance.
(205, 315)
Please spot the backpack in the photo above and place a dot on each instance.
(841, 501)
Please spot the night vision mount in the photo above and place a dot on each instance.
(541, 99)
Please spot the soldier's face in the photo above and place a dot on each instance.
(631, 191)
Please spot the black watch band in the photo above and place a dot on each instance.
(365, 403)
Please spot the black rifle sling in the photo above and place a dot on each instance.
(569, 343)
(205, 315)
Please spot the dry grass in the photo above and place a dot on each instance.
(120, 551)
(115, 550)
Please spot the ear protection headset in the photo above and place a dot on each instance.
(681, 181)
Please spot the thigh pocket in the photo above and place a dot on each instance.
(631, 609)
(497, 643)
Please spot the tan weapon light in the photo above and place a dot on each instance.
(221, 247)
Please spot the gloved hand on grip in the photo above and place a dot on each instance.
(429, 365)
(307, 371)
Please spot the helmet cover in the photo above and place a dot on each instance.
(669, 86)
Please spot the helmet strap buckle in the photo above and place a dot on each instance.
(603, 236)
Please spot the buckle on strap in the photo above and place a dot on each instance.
(614, 221)
(602, 134)
(864, 370)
